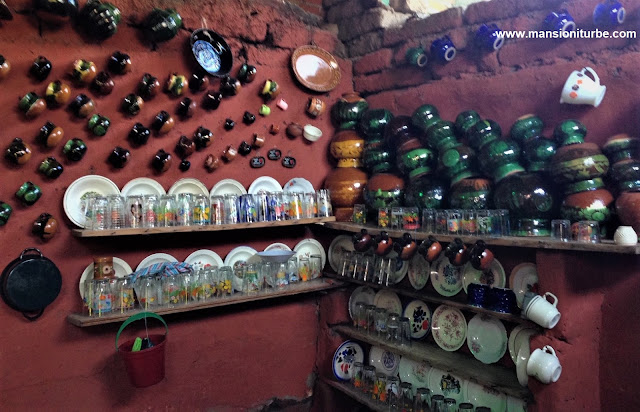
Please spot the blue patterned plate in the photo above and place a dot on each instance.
(446, 278)
(346, 355)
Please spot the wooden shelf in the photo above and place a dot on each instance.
(196, 228)
(359, 396)
(607, 246)
(440, 300)
(317, 285)
(494, 376)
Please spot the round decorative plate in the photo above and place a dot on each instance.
(141, 186)
(388, 300)
(384, 361)
(493, 277)
(486, 338)
(211, 52)
(75, 196)
(204, 258)
(521, 363)
(345, 356)
(277, 246)
(363, 294)
(264, 184)
(402, 267)
(419, 315)
(154, 259)
(228, 187)
(419, 270)
(446, 384)
(449, 328)
(513, 348)
(120, 267)
(315, 68)
(338, 247)
(188, 185)
(237, 258)
(523, 278)
(298, 184)
(481, 395)
(308, 247)
(416, 373)
(446, 278)
(523, 338)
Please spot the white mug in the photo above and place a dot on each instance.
(544, 365)
(581, 89)
(625, 235)
(543, 312)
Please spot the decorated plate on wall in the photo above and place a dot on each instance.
(493, 277)
(204, 258)
(141, 186)
(228, 187)
(340, 245)
(74, 201)
(521, 363)
(308, 247)
(120, 267)
(188, 185)
(414, 372)
(389, 300)
(237, 258)
(419, 315)
(345, 356)
(384, 361)
(486, 338)
(402, 267)
(446, 278)
(481, 395)
(264, 184)
(449, 328)
(418, 270)
(154, 259)
(315, 68)
(446, 384)
(298, 184)
(363, 294)
(518, 336)
(523, 278)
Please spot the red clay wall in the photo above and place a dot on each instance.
(224, 358)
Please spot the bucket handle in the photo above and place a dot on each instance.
(139, 316)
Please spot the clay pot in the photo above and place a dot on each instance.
(348, 110)
(425, 116)
(51, 168)
(373, 123)
(377, 159)
(481, 257)
(456, 252)
(465, 122)
(526, 127)
(500, 158)
(362, 241)
(57, 93)
(457, 163)
(346, 144)
(399, 131)
(588, 205)
(569, 132)
(119, 63)
(628, 208)
(406, 247)
(50, 135)
(45, 226)
(5, 213)
(413, 161)
(383, 190)
(441, 136)
(483, 132)
(347, 188)
(474, 193)
(185, 147)
(161, 161)
(19, 152)
(139, 134)
(430, 248)
(621, 147)
(426, 192)
(537, 152)
(384, 244)
(82, 106)
(74, 149)
(578, 162)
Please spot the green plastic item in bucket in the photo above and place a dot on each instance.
(144, 367)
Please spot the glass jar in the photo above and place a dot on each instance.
(304, 269)
(184, 210)
(281, 276)
(103, 297)
(167, 210)
(201, 210)
(217, 210)
(231, 210)
(124, 293)
(172, 290)
(115, 212)
(133, 212)
(292, 270)
(150, 205)
(315, 266)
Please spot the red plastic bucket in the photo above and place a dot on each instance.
(144, 367)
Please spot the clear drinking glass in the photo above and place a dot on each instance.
(281, 276)
(146, 288)
(561, 229)
(172, 290)
(315, 266)
(369, 378)
(360, 315)
(292, 270)
(422, 400)
(115, 212)
(184, 209)
(454, 221)
(124, 293)
(396, 218)
(588, 231)
(207, 278)
(201, 210)
(231, 209)
(251, 279)
(150, 205)
(429, 220)
(357, 375)
(133, 212)
(406, 396)
(405, 331)
(437, 403)
(345, 264)
(379, 391)
(88, 298)
(309, 208)
(381, 316)
(277, 206)
(268, 275)
(225, 281)
(483, 219)
(217, 210)
(393, 393)
(370, 316)
(410, 218)
(465, 407)
(294, 205)
(359, 214)
(248, 210)
(384, 216)
(469, 224)
(304, 269)
(368, 268)
(441, 222)
(323, 202)
(167, 210)
(450, 405)
(393, 328)
(99, 212)
(103, 297)
(262, 205)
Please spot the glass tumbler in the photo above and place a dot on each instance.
(309, 208)
(561, 229)
(231, 209)
(277, 206)
(396, 218)
(360, 315)
(437, 403)
(379, 392)
(383, 217)
(381, 316)
(251, 279)
(588, 231)
(167, 210)
(357, 376)
(150, 205)
(393, 327)
(172, 290)
(281, 276)
(99, 212)
(315, 266)
(262, 206)
(224, 281)
(292, 270)
(421, 400)
(406, 396)
(146, 288)
(370, 316)
(184, 209)
(217, 210)
(295, 202)
(454, 222)
(359, 214)
(201, 210)
(133, 212)
(345, 264)
(304, 269)
(268, 275)
(465, 407)
(207, 278)
(469, 225)
(88, 296)
(369, 378)
(323, 202)
(410, 218)
(450, 405)
(429, 220)
(405, 331)
(115, 212)
(248, 211)
(103, 297)
(441, 227)
(124, 293)
(393, 393)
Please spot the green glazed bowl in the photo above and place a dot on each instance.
(583, 186)
(577, 162)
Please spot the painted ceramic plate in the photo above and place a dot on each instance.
(446, 384)
(204, 258)
(416, 373)
(519, 335)
(142, 186)
(449, 328)
(298, 184)
(384, 361)
(338, 247)
(523, 278)
(120, 267)
(345, 356)
(277, 246)
(188, 185)
(388, 300)
(264, 184)
(493, 277)
(446, 278)
(402, 267)
(228, 187)
(363, 294)
(486, 338)
(521, 363)
(154, 259)
(481, 395)
(419, 315)
(75, 196)
(308, 247)
(419, 271)
(315, 68)
(237, 258)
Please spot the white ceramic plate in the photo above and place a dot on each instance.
(523, 278)
(74, 201)
(298, 184)
(237, 258)
(416, 373)
(419, 315)
(204, 258)
(363, 294)
(384, 361)
(402, 267)
(516, 404)
(389, 300)
(228, 187)
(486, 339)
(188, 185)
(339, 245)
(521, 363)
(494, 277)
(514, 342)
(524, 338)
(141, 186)
(155, 258)
(277, 246)
(308, 247)
(264, 184)
(120, 267)
(483, 396)
(419, 271)
(446, 384)
(446, 278)
(449, 328)
(345, 356)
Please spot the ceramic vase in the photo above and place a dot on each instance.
(415, 161)
(465, 122)
(348, 110)
(377, 158)
(589, 204)
(440, 136)
(580, 161)
(482, 133)
(628, 209)
(373, 123)
(500, 158)
(621, 147)
(425, 116)
(383, 190)
(426, 192)
(473, 193)
(526, 127)
(458, 163)
(537, 152)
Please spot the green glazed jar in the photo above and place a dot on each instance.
(373, 123)
(580, 161)
(594, 205)
(416, 162)
(425, 116)
(625, 170)
(348, 110)
(484, 132)
(377, 159)
(569, 132)
(500, 158)
(526, 127)
(621, 147)
(441, 136)
(426, 192)
(473, 193)
(465, 122)
(583, 186)
(457, 163)
(537, 153)
(383, 190)
(5, 212)
(162, 25)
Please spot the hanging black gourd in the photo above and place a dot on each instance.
(162, 25)
(56, 11)
(100, 19)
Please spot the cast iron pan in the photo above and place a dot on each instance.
(212, 52)
(30, 283)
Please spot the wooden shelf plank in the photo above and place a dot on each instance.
(494, 376)
(196, 228)
(607, 246)
(359, 396)
(317, 285)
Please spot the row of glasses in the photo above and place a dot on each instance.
(107, 295)
(382, 323)
(368, 268)
(468, 222)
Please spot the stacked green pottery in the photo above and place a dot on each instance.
(440, 136)
(377, 157)
(500, 158)
(526, 127)
(412, 158)
(625, 174)
(537, 150)
(587, 200)
(426, 192)
(482, 133)
(457, 163)
(348, 110)
(621, 147)
(623, 153)
(472, 193)
(465, 122)
(424, 117)
(373, 123)
(383, 190)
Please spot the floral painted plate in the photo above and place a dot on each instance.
(384, 361)
(264, 184)
(402, 267)
(416, 373)
(449, 328)
(363, 294)
(419, 315)
(446, 278)
(340, 245)
(388, 300)
(481, 395)
(523, 278)
(486, 338)
(345, 356)
(493, 277)
(237, 258)
(298, 184)
(445, 384)
(419, 271)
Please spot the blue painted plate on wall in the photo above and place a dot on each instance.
(346, 355)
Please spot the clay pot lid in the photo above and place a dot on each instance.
(346, 135)
(386, 182)
(315, 68)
